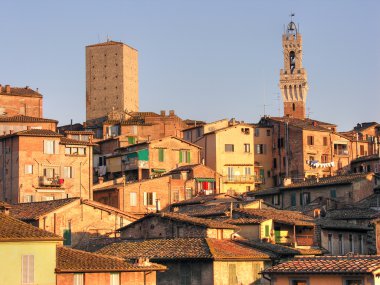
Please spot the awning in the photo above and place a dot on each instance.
(158, 170)
(205, 179)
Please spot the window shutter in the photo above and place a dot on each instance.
(154, 197)
(188, 156)
(72, 172)
(180, 156)
(28, 269)
(145, 198)
(293, 199)
(45, 146)
(56, 147)
(301, 200)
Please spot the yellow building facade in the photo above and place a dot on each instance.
(229, 151)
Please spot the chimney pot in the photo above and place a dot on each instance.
(171, 112)
(163, 113)
(7, 88)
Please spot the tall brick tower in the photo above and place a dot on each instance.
(111, 79)
(293, 78)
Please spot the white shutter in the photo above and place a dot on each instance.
(72, 171)
(56, 147)
(159, 205)
(154, 197)
(145, 198)
(27, 269)
(45, 146)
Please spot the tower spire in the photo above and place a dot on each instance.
(293, 77)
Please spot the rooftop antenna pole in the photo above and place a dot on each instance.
(278, 103)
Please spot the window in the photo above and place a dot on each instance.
(257, 132)
(175, 196)
(353, 281)
(67, 235)
(280, 143)
(305, 198)
(340, 149)
(232, 278)
(68, 172)
(189, 193)
(131, 140)
(325, 141)
(247, 147)
(310, 140)
(230, 173)
(333, 193)
(324, 158)
(149, 198)
(268, 133)
(185, 273)
(133, 199)
(362, 150)
(351, 240)
(341, 246)
(276, 199)
(27, 269)
(260, 148)
(71, 150)
(51, 147)
(114, 278)
(274, 163)
(78, 278)
(293, 199)
(28, 169)
(330, 243)
(199, 132)
(361, 244)
(49, 172)
(161, 154)
(28, 198)
(247, 171)
(245, 131)
(299, 281)
(229, 148)
(184, 156)
(266, 230)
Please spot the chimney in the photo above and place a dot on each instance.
(162, 113)
(171, 112)
(100, 179)
(1, 88)
(4, 208)
(7, 89)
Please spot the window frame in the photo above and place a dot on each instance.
(27, 269)
(229, 147)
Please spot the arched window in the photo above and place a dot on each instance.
(300, 87)
(292, 61)
(290, 91)
(295, 90)
(286, 91)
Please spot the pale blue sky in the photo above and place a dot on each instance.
(206, 59)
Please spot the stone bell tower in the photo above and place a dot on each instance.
(293, 78)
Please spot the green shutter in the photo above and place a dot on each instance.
(67, 237)
(160, 154)
(293, 199)
(188, 156)
(131, 140)
(267, 230)
(143, 154)
(180, 156)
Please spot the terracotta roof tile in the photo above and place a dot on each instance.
(227, 249)
(186, 219)
(28, 119)
(65, 140)
(279, 216)
(341, 225)
(34, 210)
(331, 180)
(305, 124)
(366, 158)
(34, 133)
(20, 91)
(109, 209)
(77, 132)
(72, 260)
(184, 248)
(352, 213)
(12, 229)
(178, 248)
(328, 264)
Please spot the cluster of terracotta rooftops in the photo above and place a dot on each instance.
(133, 197)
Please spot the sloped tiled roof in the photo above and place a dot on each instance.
(352, 213)
(279, 216)
(328, 264)
(324, 181)
(228, 249)
(34, 133)
(20, 91)
(305, 124)
(366, 158)
(65, 140)
(186, 219)
(341, 225)
(109, 43)
(27, 119)
(109, 209)
(72, 260)
(185, 248)
(201, 210)
(12, 229)
(177, 248)
(366, 125)
(77, 132)
(34, 210)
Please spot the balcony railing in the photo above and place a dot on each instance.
(45, 181)
(242, 179)
(134, 164)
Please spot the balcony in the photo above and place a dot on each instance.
(242, 179)
(45, 181)
(305, 240)
(135, 164)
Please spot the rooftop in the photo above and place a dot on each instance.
(325, 181)
(33, 133)
(12, 229)
(328, 264)
(72, 260)
(19, 91)
(27, 119)
(185, 248)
